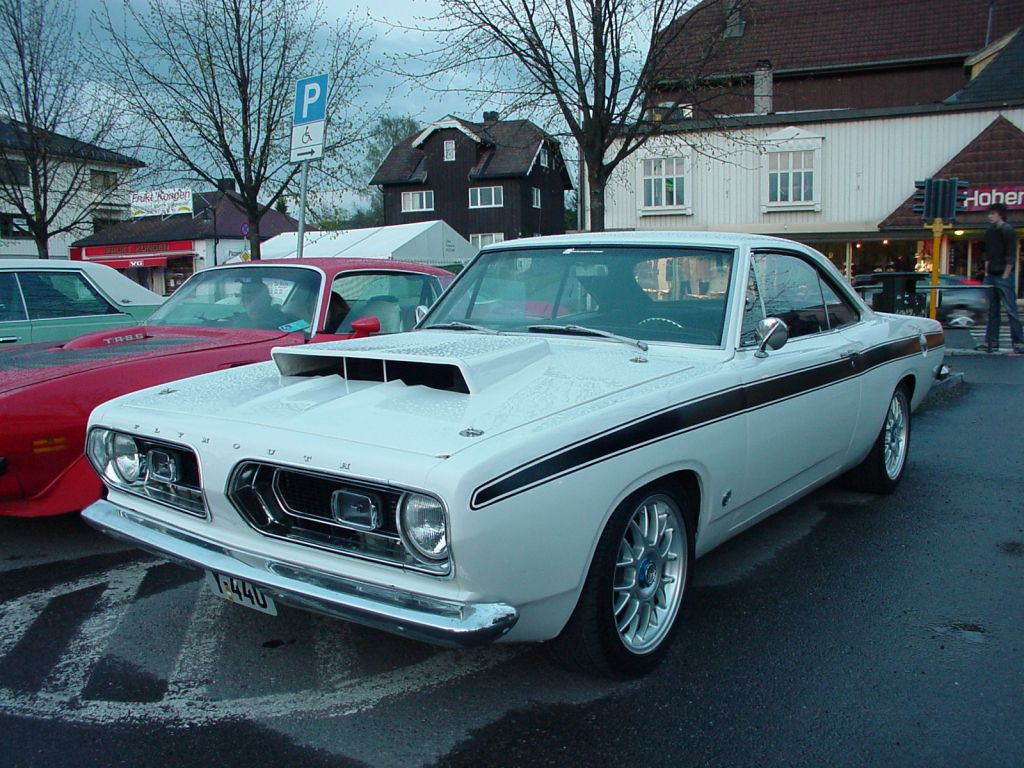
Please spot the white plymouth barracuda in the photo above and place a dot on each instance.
(574, 422)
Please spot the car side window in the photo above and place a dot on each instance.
(839, 310)
(392, 297)
(753, 310)
(62, 294)
(11, 305)
(790, 289)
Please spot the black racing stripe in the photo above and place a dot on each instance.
(681, 418)
(648, 429)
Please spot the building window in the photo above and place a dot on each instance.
(418, 201)
(485, 197)
(101, 180)
(14, 226)
(535, 195)
(791, 177)
(13, 173)
(545, 157)
(790, 172)
(663, 181)
(486, 238)
(449, 151)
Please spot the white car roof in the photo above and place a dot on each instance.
(678, 237)
(117, 286)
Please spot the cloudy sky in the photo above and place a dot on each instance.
(407, 99)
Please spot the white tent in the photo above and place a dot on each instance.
(429, 242)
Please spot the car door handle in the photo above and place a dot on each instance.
(9, 339)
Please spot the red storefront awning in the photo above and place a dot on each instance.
(142, 261)
(128, 255)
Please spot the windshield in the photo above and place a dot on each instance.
(650, 293)
(254, 296)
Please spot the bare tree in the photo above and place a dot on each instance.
(215, 82)
(58, 169)
(590, 62)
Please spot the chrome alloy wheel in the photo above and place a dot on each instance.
(650, 574)
(896, 435)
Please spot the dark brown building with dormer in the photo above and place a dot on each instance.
(491, 181)
(778, 56)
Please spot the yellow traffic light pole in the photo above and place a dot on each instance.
(937, 228)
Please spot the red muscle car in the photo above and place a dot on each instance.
(220, 318)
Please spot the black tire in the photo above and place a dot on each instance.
(592, 641)
(882, 469)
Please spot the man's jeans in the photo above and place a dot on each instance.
(1002, 292)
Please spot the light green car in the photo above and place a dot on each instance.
(57, 299)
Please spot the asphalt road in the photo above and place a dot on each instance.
(848, 630)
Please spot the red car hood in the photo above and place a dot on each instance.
(29, 364)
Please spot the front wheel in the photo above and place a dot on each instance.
(628, 610)
(882, 469)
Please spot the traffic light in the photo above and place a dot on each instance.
(928, 198)
(940, 198)
(959, 196)
(921, 197)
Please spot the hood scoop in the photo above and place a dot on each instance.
(468, 365)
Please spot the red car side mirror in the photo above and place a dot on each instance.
(364, 326)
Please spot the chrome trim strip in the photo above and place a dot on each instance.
(420, 617)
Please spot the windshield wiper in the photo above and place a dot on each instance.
(455, 325)
(579, 330)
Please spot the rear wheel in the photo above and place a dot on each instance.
(628, 611)
(882, 469)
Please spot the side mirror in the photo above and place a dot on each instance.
(420, 312)
(364, 326)
(771, 333)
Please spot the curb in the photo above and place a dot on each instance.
(979, 353)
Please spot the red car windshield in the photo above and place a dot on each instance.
(254, 296)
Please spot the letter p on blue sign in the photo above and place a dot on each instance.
(310, 99)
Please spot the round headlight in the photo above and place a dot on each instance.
(127, 460)
(100, 450)
(421, 519)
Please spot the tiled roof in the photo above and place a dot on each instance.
(508, 150)
(215, 214)
(1001, 80)
(994, 158)
(811, 35)
(14, 136)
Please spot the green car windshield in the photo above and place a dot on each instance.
(257, 297)
(659, 294)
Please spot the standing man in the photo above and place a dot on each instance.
(1000, 260)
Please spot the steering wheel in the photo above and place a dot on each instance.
(673, 323)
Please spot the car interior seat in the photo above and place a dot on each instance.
(387, 310)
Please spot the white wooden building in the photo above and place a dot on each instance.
(829, 178)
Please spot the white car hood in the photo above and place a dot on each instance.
(512, 382)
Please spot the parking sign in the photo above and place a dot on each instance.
(309, 119)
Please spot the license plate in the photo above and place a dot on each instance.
(239, 591)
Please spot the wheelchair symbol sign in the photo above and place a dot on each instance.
(309, 119)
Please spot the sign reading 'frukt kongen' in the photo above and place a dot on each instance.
(161, 202)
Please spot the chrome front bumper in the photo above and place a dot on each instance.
(441, 622)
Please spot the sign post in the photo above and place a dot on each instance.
(308, 126)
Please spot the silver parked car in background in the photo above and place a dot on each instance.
(963, 303)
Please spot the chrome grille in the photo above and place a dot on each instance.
(297, 505)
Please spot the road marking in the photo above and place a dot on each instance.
(342, 686)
